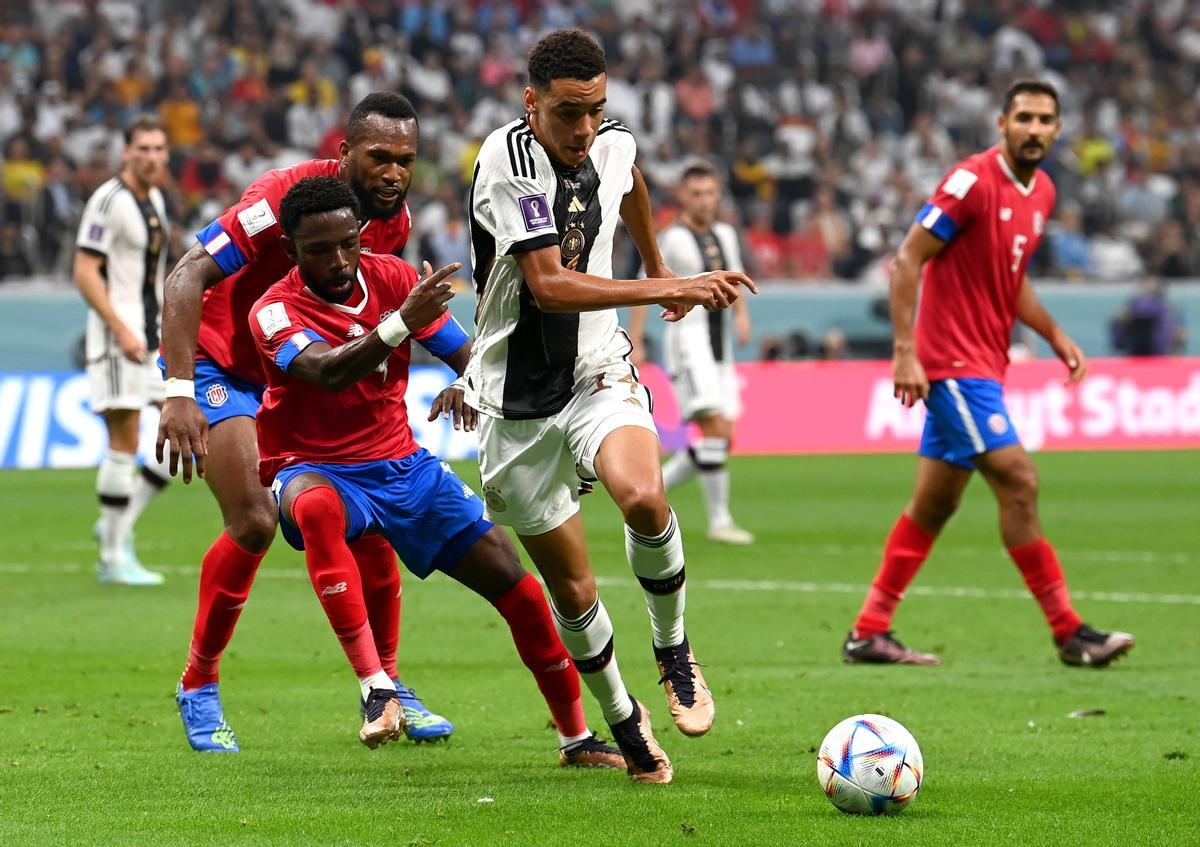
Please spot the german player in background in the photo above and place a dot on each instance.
(699, 349)
(214, 387)
(559, 401)
(968, 251)
(336, 448)
(120, 261)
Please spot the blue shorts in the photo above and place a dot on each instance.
(425, 512)
(221, 395)
(965, 417)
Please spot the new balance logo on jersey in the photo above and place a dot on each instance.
(559, 666)
(1005, 213)
(337, 588)
(355, 331)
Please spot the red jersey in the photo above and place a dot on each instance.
(991, 224)
(244, 241)
(301, 422)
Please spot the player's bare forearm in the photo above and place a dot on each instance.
(1033, 314)
(639, 222)
(183, 296)
(337, 368)
(90, 283)
(559, 289)
(459, 358)
(918, 247)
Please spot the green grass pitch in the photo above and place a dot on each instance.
(92, 751)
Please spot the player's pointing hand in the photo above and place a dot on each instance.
(427, 301)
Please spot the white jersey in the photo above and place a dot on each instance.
(687, 253)
(130, 234)
(525, 363)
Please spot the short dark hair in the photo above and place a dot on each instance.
(698, 169)
(1029, 86)
(389, 104)
(143, 123)
(314, 195)
(565, 54)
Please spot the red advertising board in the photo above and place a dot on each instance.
(847, 407)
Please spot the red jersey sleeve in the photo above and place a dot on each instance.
(243, 231)
(954, 205)
(279, 332)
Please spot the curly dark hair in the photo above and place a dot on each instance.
(389, 104)
(312, 196)
(565, 54)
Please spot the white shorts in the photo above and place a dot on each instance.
(531, 470)
(118, 383)
(706, 387)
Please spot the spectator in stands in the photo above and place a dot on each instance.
(1148, 325)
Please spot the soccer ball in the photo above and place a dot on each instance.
(870, 765)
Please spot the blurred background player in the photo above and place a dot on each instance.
(340, 456)
(120, 261)
(215, 382)
(699, 348)
(972, 241)
(550, 376)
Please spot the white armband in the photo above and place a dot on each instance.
(392, 330)
(176, 387)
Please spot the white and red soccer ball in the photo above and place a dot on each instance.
(870, 765)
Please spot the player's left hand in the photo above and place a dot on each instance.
(452, 402)
(1068, 351)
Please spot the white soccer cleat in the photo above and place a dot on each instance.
(730, 534)
(127, 573)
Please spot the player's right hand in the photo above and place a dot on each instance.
(714, 290)
(132, 347)
(909, 379)
(184, 425)
(452, 401)
(427, 301)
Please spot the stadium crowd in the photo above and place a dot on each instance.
(832, 119)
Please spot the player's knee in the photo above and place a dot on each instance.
(253, 528)
(710, 453)
(572, 596)
(1021, 490)
(645, 507)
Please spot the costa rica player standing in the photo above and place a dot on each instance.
(215, 383)
(339, 455)
(973, 239)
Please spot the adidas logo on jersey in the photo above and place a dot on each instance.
(576, 205)
(355, 331)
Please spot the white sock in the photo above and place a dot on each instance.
(564, 742)
(657, 562)
(710, 455)
(589, 640)
(379, 679)
(153, 479)
(678, 469)
(114, 487)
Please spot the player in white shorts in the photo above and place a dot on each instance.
(549, 373)
(120, 262)
(699, 349)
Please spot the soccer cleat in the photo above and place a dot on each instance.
(645, 761)
(127, 573)
(384, 720)
(882, 649)
(1089, 647)
(421, 724)
(203, 720)
(730, 534)
(591, 752)
(688, 695)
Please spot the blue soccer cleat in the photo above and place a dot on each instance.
(422, 724)
(203, 720)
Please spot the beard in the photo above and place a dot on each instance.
(371, 210)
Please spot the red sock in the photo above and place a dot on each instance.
(226, 574)
(1044, 576)
(380, 575)
(318, 513)
(903, 554)
(527, 614)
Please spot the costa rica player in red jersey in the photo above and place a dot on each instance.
(215, 383)
(973, 240)
(338, 453)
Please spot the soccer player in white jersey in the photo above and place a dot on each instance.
(699, 349)
(559, 401)
(120, 261)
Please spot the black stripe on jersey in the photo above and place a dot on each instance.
(107, 199)
(712, 258)
(612, 124)
(520, 152)
(155, 238)
(510, 139)
(528, 139)
(483, 243)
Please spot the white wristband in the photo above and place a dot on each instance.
(180, 388)
(392, 330)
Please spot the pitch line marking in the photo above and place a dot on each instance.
(793, 586)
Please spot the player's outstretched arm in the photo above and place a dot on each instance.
(559, 289)
(182, 423)
(336, 368)
(908, 376)
(1033, 314)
